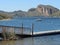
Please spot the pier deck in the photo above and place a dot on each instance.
(44, 33)
(35, 34)
(25, 31)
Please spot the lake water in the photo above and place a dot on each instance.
(44, 40)
(44, 25)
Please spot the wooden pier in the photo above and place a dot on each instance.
(10, 31)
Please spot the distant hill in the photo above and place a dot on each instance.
(40, 10)
(4, 15)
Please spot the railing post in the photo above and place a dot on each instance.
(4, 32)
(22, 28)
(32, 28)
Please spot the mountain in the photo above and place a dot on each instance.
(45, 10)
(12, 14)
(40, 10)
(4, 15)
(19, 13)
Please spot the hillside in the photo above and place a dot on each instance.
(57, 14)
(40, 10)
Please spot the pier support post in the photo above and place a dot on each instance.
(32, 28)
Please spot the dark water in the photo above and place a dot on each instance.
(45, 40)
(44, 25)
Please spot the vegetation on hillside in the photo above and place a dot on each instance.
(57, 14)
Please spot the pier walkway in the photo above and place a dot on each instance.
(24, 31)
(42, 33)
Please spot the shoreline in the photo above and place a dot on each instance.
(5, 19)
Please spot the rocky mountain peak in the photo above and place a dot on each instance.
(46, 9)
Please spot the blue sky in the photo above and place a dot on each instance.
(12, 5)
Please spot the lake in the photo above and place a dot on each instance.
(44, 24)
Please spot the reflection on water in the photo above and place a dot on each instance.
(44, 40)
(7, 42)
